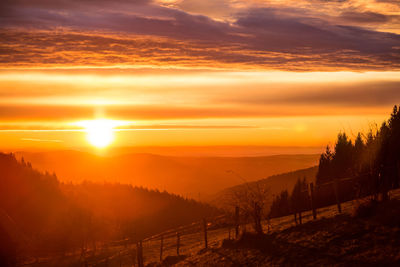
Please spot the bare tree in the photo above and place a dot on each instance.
(252, 201)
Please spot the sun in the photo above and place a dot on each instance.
(100, 132)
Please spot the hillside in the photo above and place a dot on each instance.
(57, 217)
(187, 176)
(275, 184)
(362, 239)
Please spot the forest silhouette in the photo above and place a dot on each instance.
(55, 217)
(367, 166)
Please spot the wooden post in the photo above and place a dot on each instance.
(94, 247)
(205, 233)
(257, 218)
(161, 247)
(314, 211)
(141, 254)
(178, 241)
(229, 233)
(236, 222)
(295, 217)
(336, 189)
(398, 173)
(134, 257)
(139, 250)
(299, 217)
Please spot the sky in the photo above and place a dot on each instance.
(195, 72)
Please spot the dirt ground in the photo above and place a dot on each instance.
(369, 238)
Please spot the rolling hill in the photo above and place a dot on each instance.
(55, 216)
(196, 177)
(274, 183)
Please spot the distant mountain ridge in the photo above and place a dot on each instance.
(196, 177)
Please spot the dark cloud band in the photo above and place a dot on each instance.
(142, 33)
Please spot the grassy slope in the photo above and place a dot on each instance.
(343, 240)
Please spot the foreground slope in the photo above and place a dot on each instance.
(369, 238)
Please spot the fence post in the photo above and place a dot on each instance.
(229, 233)
(295, 217)
(300, 217)
(314, 211)
(205, 233)
(178, 241)
(398, 173)
(161, 247)
(336, 189)
(236, 222)
(139, 250)
(134, 258)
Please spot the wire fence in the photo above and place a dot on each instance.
(175, 244)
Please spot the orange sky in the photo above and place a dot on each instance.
(156, 108)
(191, 72)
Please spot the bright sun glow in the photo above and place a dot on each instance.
(100, 133)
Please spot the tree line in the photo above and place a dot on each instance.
(62, 217)
(367, 166)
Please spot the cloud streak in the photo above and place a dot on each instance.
(372, 94)
(243, 109)
(42, 140)
(37, 127)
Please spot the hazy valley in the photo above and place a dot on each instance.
(187, 176)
